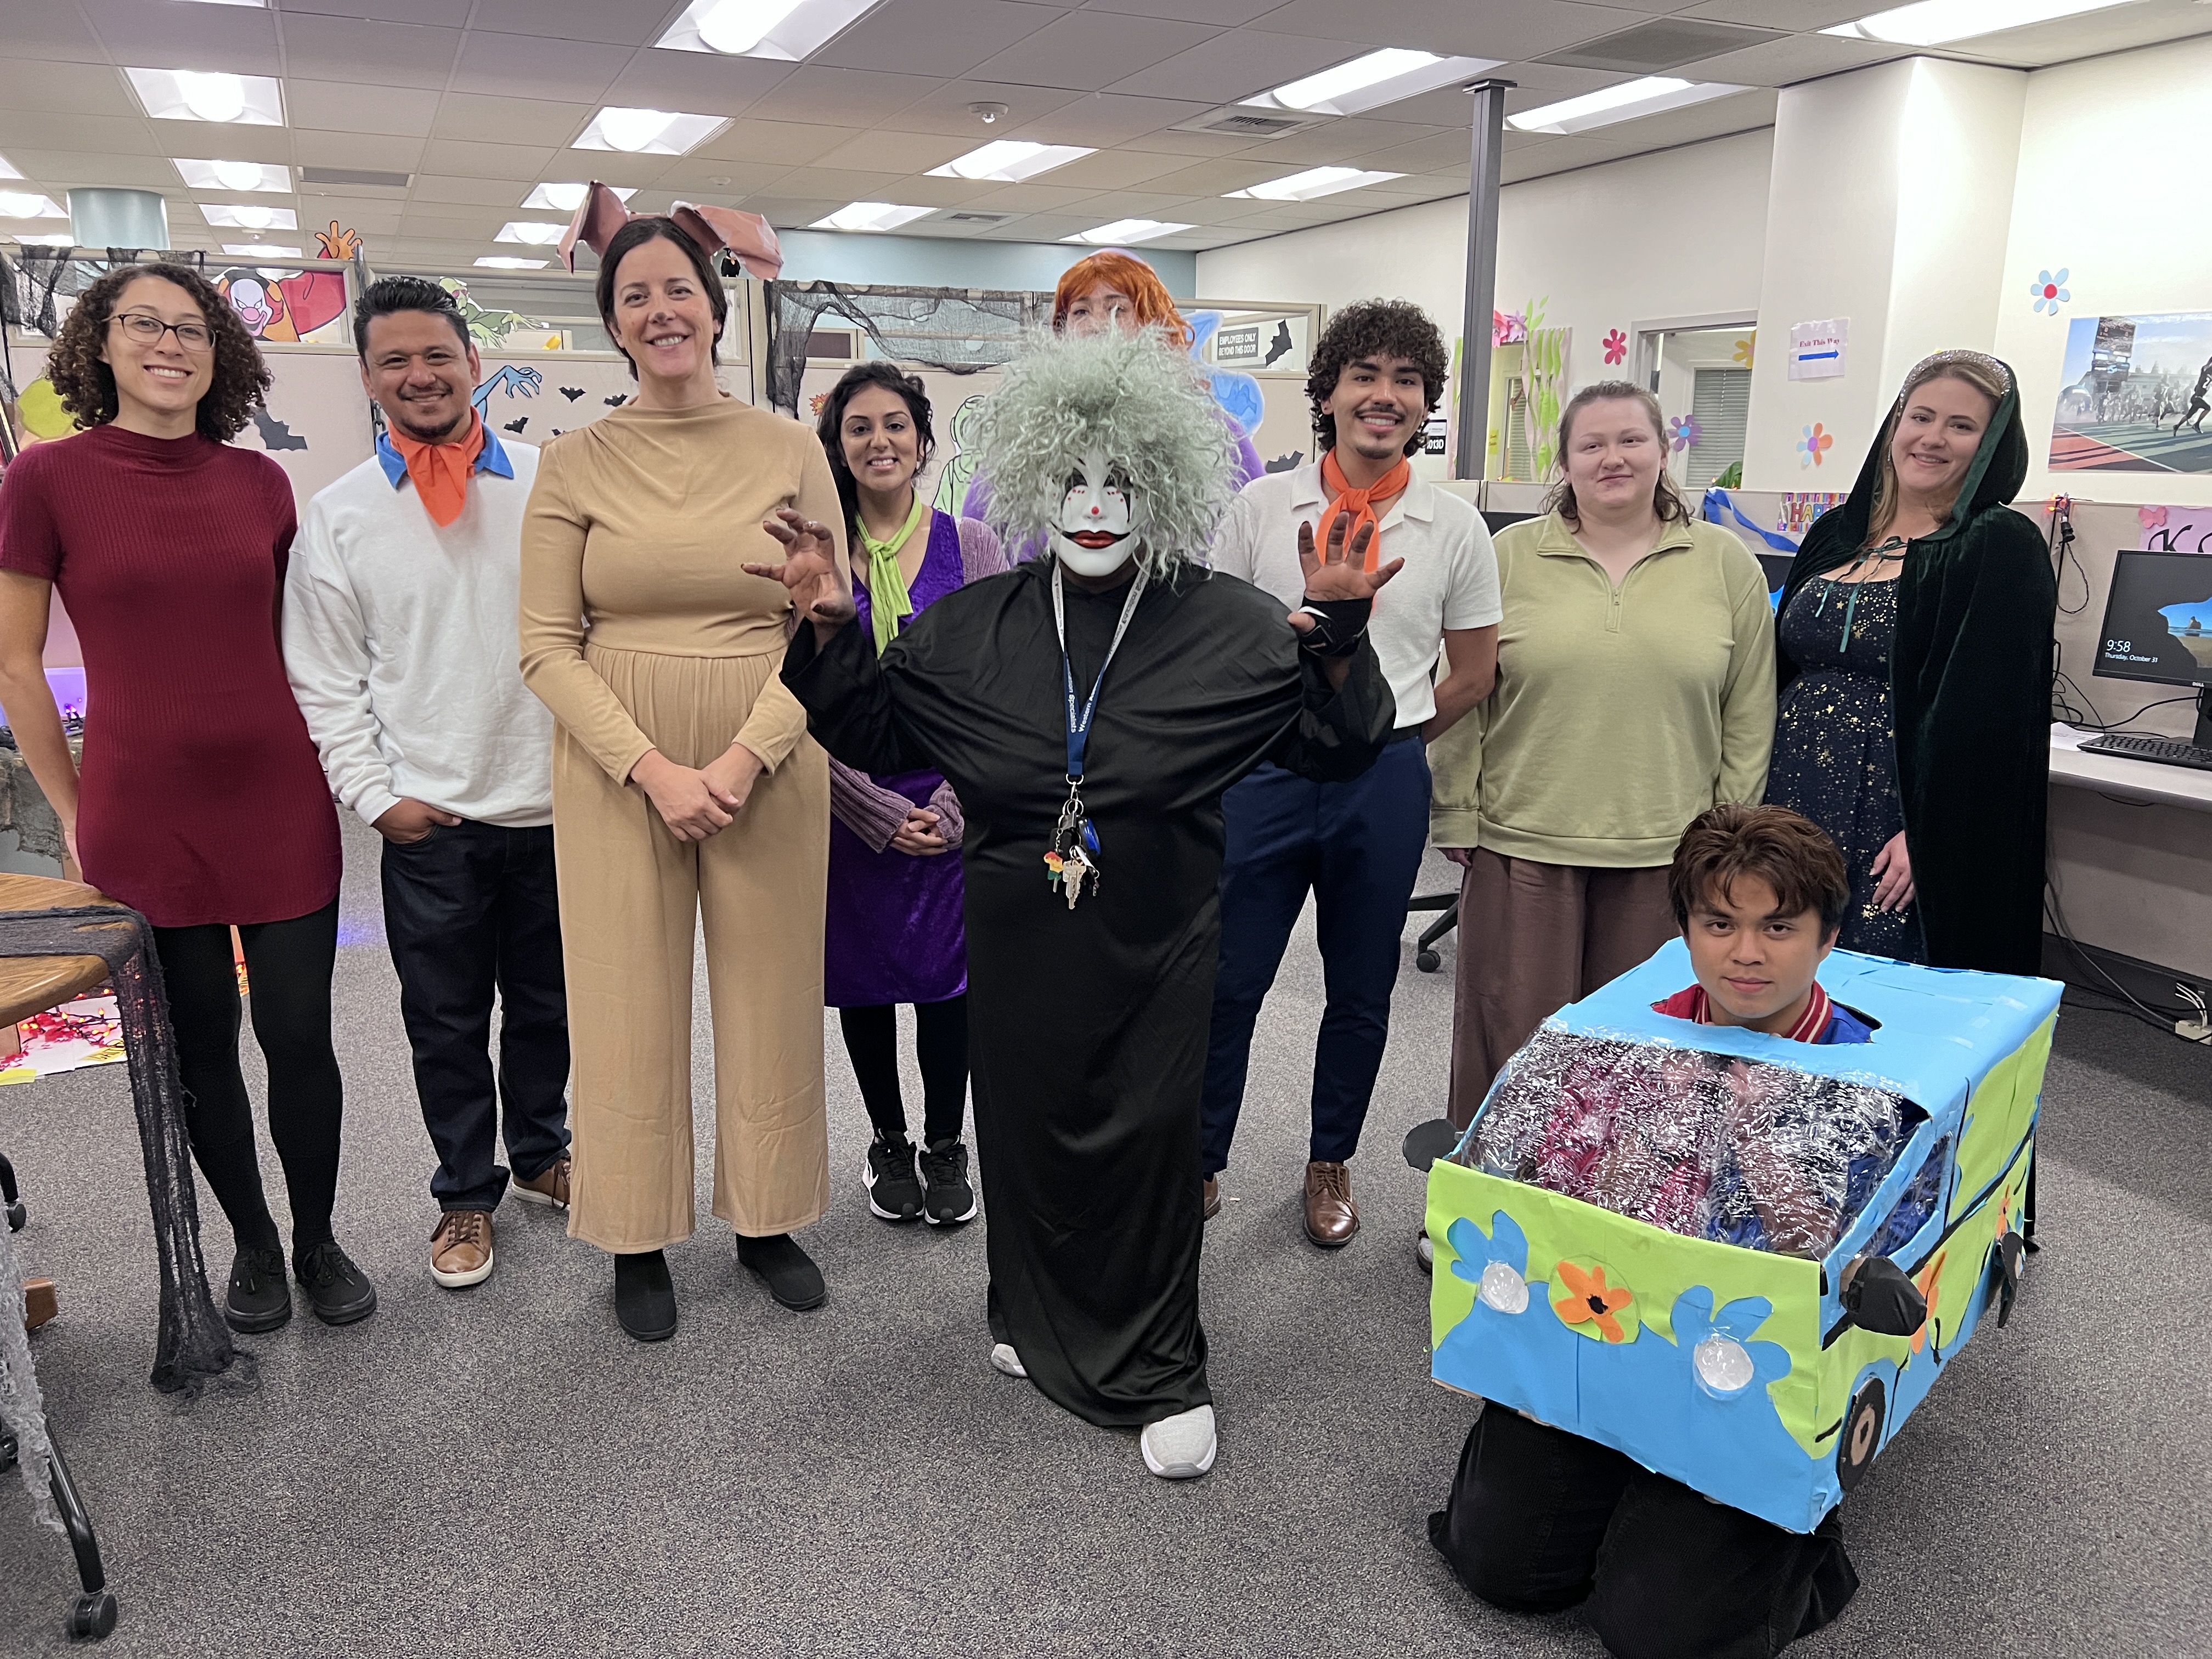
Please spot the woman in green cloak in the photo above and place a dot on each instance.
(1915, 663)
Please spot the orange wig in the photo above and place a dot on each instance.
(1148, 295)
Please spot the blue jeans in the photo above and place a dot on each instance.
(470, 911)
(1357, 847)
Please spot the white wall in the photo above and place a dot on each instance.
(2103, 194)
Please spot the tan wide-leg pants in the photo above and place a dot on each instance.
(1533, 937)
(631, 895)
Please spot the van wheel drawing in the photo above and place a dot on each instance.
(1862, 1436)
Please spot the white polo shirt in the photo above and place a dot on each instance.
(1449, 581)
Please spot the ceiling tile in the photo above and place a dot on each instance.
(843, 183)
(1029, 198)
(703, 178)
(91, 135)
(335, 106)
(1115, 169)
(850, 98)
(240, 39)
(1088, 50)
(52, 33)
(71, 88)
(381, 153)
(1219, 178)
(702, 82)
(379, 11)
(57, 171)
(1422, 155)
(367, 218)
(1793, 58)
(1106, 119)
(1235, 66)
(1471, 28)
(485, 120)
(502, 193)
(350, 49)
(944, 110)
(933, 37)
(757, 143)
(523, 161)
(1226, 14)
(1335, 143)
(629, 24)
(509, 63)
(1802, 16)
(883, 149)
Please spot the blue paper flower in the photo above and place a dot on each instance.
(2050, 291)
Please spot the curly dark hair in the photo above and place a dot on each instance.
(87, 385)
(1369, 328)
(830, 428)
(647, 227)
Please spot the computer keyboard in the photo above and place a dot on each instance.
(2165, 752)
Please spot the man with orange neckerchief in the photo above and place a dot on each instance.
(1377, 371)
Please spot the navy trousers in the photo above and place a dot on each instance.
(470, 911)
(1357, 847)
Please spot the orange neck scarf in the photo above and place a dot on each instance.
(441, 471)
(1361, 505)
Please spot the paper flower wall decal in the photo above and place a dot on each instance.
(1616, 346)
(1590, 1302)
(1746, 349)
(1683, 432)
(1813, 445)
(2050, 291)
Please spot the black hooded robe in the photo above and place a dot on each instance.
(1970, 695)
(1088, 1027)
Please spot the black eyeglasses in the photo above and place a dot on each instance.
(149, 330)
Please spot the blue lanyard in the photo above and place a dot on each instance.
(1079, 722)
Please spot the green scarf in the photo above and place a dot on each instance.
(887, 600)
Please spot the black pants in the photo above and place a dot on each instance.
(940, 1046)
(288, 965)
(471, 910)
(1541, 1519)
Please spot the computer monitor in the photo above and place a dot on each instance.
(2158, 625)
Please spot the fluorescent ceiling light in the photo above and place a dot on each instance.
(1313, 182)
(649, 132)
(62, 240)
(30, 205)
(8, 169)
(508, 262)
(1010, 160)
(536, 233)
(263, 250)
(256, 4)
(241, 217)
(785, 30)
(247, 101)
(1128, 230)
(1624, 102)
(871, 215)
(1369, 82)
(566, 198)
(234, 175)
(1932, 22)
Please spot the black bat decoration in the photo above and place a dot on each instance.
(572, 392)
(1280, 346)
(274, 434)
(618, 400)
(517, 423)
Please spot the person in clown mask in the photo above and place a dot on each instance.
(1090, 708)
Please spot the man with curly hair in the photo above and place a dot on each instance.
(1090, 708)
(1355, 845)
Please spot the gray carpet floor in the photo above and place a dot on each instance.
(501, 1471)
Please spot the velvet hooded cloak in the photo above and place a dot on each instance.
(1970, 696)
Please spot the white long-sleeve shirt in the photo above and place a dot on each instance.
(401, 642)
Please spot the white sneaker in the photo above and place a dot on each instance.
(1182, 1446)
(1425, 1248)
(1004, 1358)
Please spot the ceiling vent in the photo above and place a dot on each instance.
(977, 218)
(1240, 121)
(1664, 43)
(357, 176)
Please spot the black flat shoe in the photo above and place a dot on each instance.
(645, 1299)
(258, 1299)
(789, 1272)
(338, 1291)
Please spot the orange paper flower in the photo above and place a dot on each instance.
(1592, 1301)
(1925, 1282)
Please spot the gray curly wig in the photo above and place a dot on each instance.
(1145, 405)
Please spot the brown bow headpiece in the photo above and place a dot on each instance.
(749, 238)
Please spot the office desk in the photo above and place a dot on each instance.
(2130, 859)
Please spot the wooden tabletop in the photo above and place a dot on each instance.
(31, 984)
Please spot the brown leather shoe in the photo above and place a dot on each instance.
(1212, 1189)
(460, 1251)
(40, 1305)
(550, 1187)
(1331, 1216)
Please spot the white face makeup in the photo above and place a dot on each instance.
(1099, 520)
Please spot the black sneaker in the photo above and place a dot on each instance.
(645, 1297)
(258, 1299)
(948, 1199)
(338, 1291)
(894, 1194)
(789, 1272)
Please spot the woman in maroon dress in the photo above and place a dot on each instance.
(202, 803)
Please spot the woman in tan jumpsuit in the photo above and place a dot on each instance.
(683, 781)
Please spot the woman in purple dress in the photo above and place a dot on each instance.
(894, 932)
